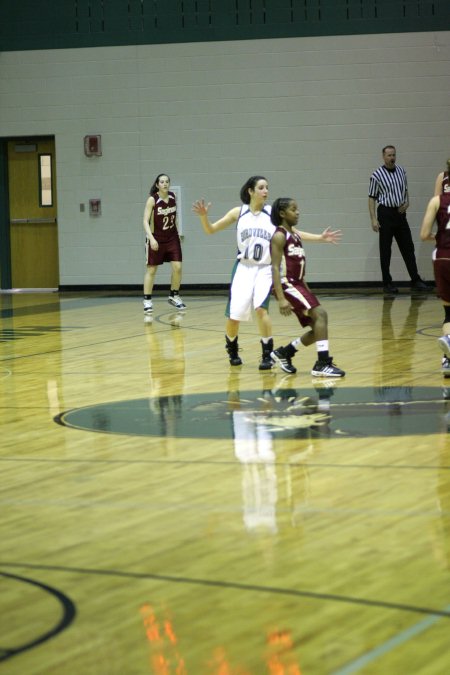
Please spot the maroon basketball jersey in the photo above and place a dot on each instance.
(446, 183)
(443, 223)
(293, 261)
(165, 218)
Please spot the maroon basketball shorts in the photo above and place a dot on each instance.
(441, 267)
(301, 299)
(168, 251)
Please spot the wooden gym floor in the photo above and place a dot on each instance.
(164, 513)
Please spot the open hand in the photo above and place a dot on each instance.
(285, 307)
(200, 207)
(331, 236)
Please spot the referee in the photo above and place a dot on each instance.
(389, 188)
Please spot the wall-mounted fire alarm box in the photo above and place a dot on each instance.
(95, 207)
(93, 146)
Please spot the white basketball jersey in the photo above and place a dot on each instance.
(254, 233)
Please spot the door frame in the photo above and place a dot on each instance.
(5, 238)
(5, 245)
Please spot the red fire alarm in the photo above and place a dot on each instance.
(93, 146)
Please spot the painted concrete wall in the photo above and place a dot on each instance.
(311, 114)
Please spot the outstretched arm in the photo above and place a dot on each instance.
(428, 219)
(276, 248)
(201, 208)
(328, 236)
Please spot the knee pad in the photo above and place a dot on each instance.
(447, 313)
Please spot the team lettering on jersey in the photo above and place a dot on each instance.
(295, 251)
(164, 218)
(165, 211)
(293, 260)
(255, 232)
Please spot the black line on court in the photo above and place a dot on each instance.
(69, 613)
(74, 347)
(210, 462)
(59, 304)
(48, 308)
(106, 342)
(230, 585)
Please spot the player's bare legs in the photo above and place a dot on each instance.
(444, 341)
(264, 322)
(319, 329)
(318, 334)
(175, 280)
(149, 279)
(232, 328)
(446, 324)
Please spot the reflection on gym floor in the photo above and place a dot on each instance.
(165, 512)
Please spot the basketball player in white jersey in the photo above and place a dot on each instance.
(252, 275)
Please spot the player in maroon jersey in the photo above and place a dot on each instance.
(292, 291)
(438, 210)
(442, 184)
(162, 243)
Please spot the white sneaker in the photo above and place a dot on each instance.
(444, 344)
(445, 367)
(148, 306)
(175, 319)
(176, 301)
(324, 384)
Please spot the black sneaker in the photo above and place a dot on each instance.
(232, 348)
(281, 357)
(419, 285)
(266, 362)
(390, 289)
(326, 368)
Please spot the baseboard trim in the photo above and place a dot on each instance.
(187, 289)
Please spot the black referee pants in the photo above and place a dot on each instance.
(394, 225)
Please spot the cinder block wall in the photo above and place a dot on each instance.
(311, 114)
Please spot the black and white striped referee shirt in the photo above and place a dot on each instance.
(389, 186)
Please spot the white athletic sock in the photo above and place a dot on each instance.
(322, 345)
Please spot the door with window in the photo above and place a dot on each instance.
(33, 213)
